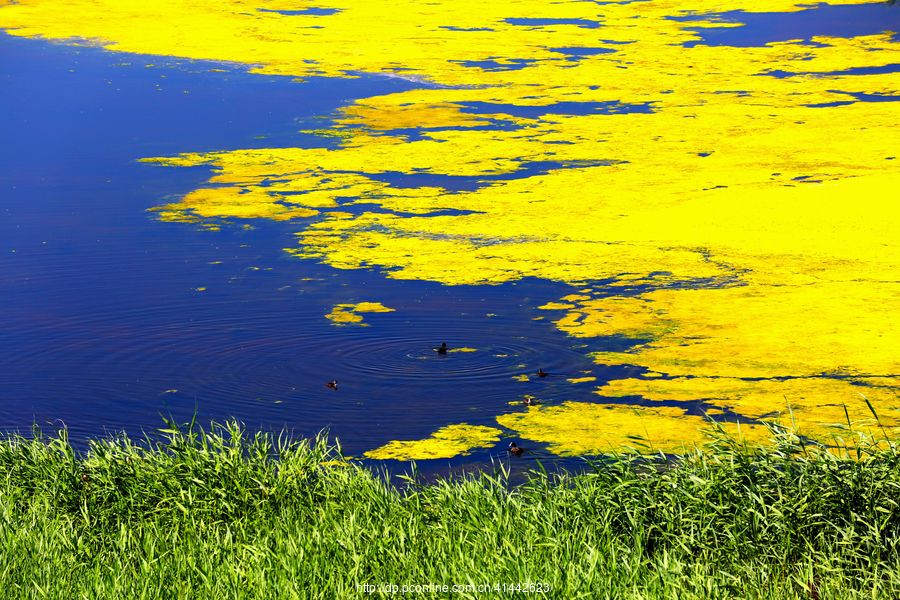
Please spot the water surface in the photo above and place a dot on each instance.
(648, 202)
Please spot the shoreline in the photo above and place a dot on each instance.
(223, 512)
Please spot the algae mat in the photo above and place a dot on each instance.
(730, 207)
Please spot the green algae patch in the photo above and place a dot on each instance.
(576, 428)
(446, 442)
(351, 314)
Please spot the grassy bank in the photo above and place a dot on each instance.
(226, 515)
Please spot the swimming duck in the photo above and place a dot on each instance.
(443, 349)
(515, 450)
(542, 373)
(529, 401)
(332, 385)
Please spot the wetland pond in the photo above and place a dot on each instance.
(683, 212)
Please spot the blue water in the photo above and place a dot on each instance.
(892, 68)
(458, 183)
(536, 22)
(572, 54)
(311, 11)
(510, 64)
(576, 54)
(832, 20)
(103, 328)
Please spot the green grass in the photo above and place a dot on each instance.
(223, 514)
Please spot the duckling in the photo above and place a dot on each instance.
(332, 385)
(443, 349)
(515, 450)
(542, 373)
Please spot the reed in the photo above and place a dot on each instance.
(222, 513)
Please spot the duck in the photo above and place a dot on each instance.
(542, 373)
(332, 385)
(514, 449)
(443, 348)
(529, 401)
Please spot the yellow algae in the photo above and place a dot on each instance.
(815, 407)
(463, 349)
(744, 222)
(879, 382)
(575, 428)
(340, 315)
(446, 442)
(556, 306)
(231, 202)
(371, 307)
(839, 328)
(752, 435)
(575, 297)
(200, 289)
(521, 377)
(444, 114)
(349, 314)
(581, 379)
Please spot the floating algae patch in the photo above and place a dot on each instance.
(555, 306)
(446, 442)
(746, 221)
(351, 314)
(232, 203)
(575, 428)
(817, 408)
(750, 331)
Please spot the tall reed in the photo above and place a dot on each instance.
(223, 513)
